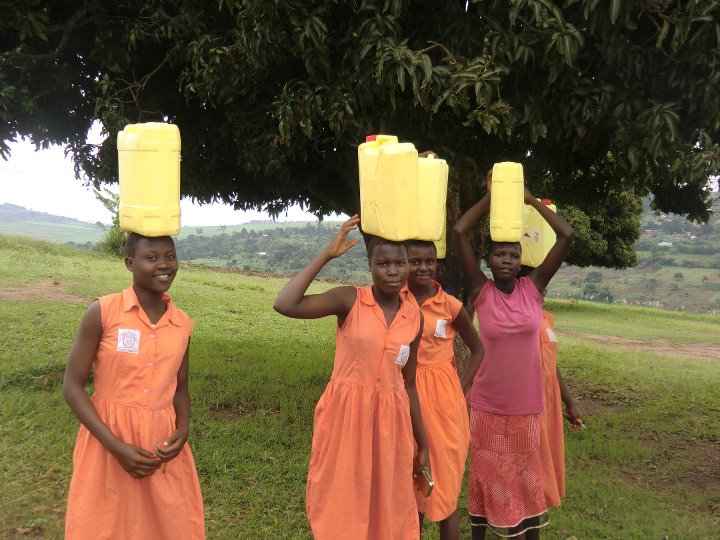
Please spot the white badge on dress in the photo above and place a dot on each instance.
(128, 340)
(440, 328)
(403, 355)
(551, 334)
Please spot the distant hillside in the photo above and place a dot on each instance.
(679, 262)
(19, 221)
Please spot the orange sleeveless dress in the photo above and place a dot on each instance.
(442, 404)
(552, 439)
(360, 483)
(135, 377)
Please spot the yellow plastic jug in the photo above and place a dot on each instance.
(432, 197)
(441, 244)
(388, 173)
(149, 172)
(506, 202)
(538, 237)
(402, 197)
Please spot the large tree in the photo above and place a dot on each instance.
(604, 102)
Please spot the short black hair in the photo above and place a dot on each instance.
(133, 239)
(494, 244)
(372, 241)
(421, 244)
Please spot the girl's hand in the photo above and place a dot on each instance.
(528, 196)
(137, 461)
(573, 416)
(338, 246)
(422, 461)
(171, 446)
(488, 181)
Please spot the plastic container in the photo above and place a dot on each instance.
(506, 202)
(538, 237)
(432, 198)
(402, 197)
(149, 171)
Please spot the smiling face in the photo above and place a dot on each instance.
(422, 258)
(153, 263)
(389, 267)
(504, 260)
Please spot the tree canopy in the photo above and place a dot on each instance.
(604, 102)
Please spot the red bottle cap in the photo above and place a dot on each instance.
(546, 202)
(370, 138)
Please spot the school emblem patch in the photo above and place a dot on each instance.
(403, 355)
(128, 340)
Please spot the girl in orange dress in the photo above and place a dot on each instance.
(133, 474)
(552, 439)
(442, 396)
(360, 477)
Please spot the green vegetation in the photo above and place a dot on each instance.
(646, 466)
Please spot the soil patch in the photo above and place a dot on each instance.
(40, 289)
(705, 351)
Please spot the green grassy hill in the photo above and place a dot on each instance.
(646, 381)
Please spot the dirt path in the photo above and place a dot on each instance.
(705, 351)
(39, 289)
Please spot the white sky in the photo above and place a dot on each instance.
(45, 181)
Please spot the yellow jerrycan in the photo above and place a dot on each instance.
(388, 173)
(506, 202)
(432, 198)
(538, 237)
(402, 197)
(149, 172)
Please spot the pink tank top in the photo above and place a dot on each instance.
(509, 380)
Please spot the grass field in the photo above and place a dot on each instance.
(647, 383)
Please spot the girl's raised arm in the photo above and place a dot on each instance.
(542, 275)
(474, 276)
(292, 301)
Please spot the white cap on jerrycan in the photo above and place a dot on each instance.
(538, 237)
(388, 172)
(506, 202)
(149, 172)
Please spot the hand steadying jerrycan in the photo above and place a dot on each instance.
(506, 202)
(149, 171)
(402, 197)
(538, 237)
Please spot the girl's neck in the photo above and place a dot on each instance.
(422, 292)
(152, 303)
(506, 286)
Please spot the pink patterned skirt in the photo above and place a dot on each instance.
(505, 491)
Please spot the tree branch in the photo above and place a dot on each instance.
(67, 29)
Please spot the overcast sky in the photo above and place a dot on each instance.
(45, 181)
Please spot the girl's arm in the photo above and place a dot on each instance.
(408, 371)
(571, 413)
(292, 301)
(463, 325)
(542, 275)
(171, 446)
(474, 276)
(137, 461)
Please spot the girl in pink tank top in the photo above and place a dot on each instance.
(505, 490)
(360, 476)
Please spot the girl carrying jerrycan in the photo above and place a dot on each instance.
(360, 478)
(505, 491)
(133, 473)
(441, 392)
